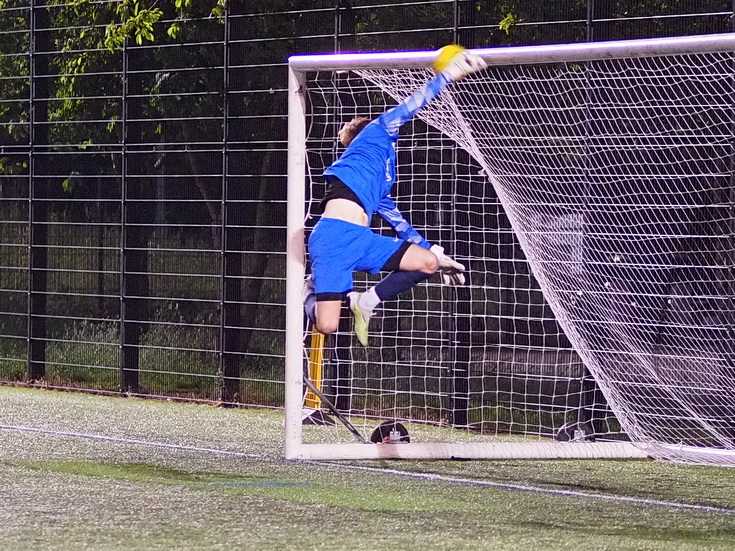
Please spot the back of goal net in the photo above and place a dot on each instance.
(592, 202)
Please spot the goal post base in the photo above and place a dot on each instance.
(540, 450)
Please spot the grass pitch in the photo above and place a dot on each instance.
(90, 472)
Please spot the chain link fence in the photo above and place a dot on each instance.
(142, 182)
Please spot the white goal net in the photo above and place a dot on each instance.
(590, 190)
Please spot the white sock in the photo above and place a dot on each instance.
(369, 299)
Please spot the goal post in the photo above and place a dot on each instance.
(589, 189)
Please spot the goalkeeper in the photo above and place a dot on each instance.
(359, 185)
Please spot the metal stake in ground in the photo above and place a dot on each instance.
(334, 410)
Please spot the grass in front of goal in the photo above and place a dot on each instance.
(163, 475)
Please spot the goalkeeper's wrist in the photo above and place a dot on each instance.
(453, 74)
(447, 76)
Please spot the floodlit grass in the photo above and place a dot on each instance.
(70, 492)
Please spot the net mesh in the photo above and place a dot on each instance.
(617, 178)
(486, 361)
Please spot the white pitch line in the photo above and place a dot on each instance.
(130, 441)
(536, 489)
(393, 472)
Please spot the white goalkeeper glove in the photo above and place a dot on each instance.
(463, 64)
(451, 272)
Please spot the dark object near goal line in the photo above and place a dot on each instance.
(390, 432)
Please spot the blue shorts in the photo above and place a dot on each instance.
(338, 248)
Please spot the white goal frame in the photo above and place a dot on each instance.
(294, 351)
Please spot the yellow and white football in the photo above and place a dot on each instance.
(445, 55)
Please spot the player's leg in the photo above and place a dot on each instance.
(377, 252)
(327, 315)
(418, 259)
(415, 264)
(409, 265)
(327, 318)
(330, 245)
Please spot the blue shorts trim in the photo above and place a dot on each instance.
(338, 248)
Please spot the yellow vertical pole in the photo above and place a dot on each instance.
(316, 357)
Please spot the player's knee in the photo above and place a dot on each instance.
(430, 264)
(327, 316)
(326, 327)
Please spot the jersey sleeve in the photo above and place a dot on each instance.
(395, 117)
(390, 213)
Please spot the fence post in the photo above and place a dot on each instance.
(38, 189)
(590, 19)
(231, 256)
(464, 23)
(135, 236)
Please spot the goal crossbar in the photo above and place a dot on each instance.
(520, 55)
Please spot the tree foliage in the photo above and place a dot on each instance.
(89, 44)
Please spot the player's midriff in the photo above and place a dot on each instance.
(344, 209)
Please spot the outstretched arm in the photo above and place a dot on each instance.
(461, 65)
(394, 118)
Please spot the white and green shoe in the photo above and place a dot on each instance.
(362, 317)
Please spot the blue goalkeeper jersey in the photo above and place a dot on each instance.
(368, 165)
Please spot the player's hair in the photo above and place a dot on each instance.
(352, 129)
